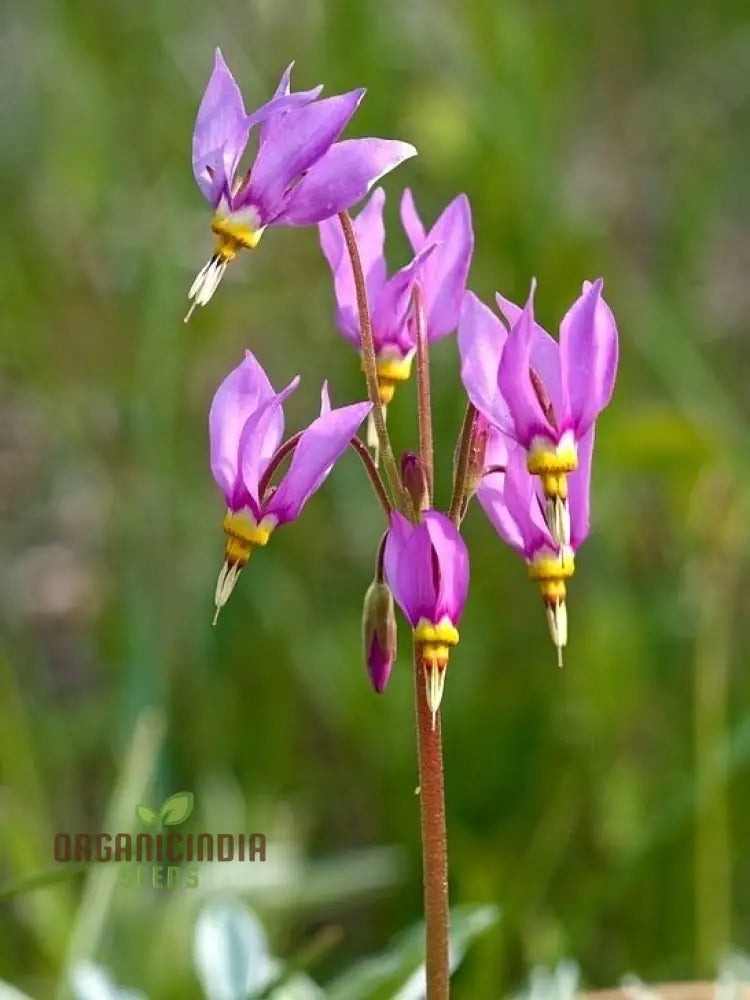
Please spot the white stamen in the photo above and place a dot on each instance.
(558, 520)
(225, 585)
(206, 282)
(557, 620)
(434, 684)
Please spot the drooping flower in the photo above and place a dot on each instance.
(300, 174)
(246, 426)
(542, 393)
(514, 501)
(440, 266)
(427, 568)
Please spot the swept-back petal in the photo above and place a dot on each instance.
(294, 141)
(579, 490)
(260, 438)
(411, 222)
(369, 232)
(341, 178)
(452, 558)
(320, 446)
(491, 491)
(408, 568)
(284, 90)
(481, 339)
(399, 533)
(545, 355)
(588, 355)
(220, 133)
(522, 500)
(514, 380)
(443, 278)
(391, 310)
(244, 391)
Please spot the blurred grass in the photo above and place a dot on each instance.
(591, 139)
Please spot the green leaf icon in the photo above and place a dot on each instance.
(177, 808)
(146, 815)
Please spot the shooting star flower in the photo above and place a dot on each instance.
(514, 502)
(246, 426)
(544, 394)
(300, 174)
(440, 266)
(427, 569)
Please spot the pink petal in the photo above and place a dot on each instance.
(341, 178)
(545, 356)
(260, 438)
(411, 222)
(514, 381)
(588, 351)
(244, 391)
(293, 143)
(443, 279)
(220, 133)
(409, 569)
(320, 446)
(453, 566)
(369, 232)
(579, 489)
(481, 339)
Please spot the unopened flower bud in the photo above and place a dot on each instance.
(475, 469)
(415, 483)
(379, 633)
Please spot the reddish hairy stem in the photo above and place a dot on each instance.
(371, 470)
(369, 362)
(434, 845)
(276, 459)
(424, 407)
(288, 447)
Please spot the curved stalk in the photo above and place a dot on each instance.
(371, 469)
(276, 459)
(369, 362)
(424, 409)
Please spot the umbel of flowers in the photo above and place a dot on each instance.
(525, 444)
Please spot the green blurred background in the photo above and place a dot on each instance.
(605, 807)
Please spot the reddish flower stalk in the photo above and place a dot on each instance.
(369, 365)
(424, 406)
(434, 845)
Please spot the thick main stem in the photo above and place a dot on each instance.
(369, 361)
(434, 846)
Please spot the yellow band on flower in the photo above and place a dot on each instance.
(391, 371)
(243, 534)
(552, 567)
(552, 463)
(234, 236)
(444, 633)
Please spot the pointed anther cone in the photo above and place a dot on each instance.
(379, 634)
